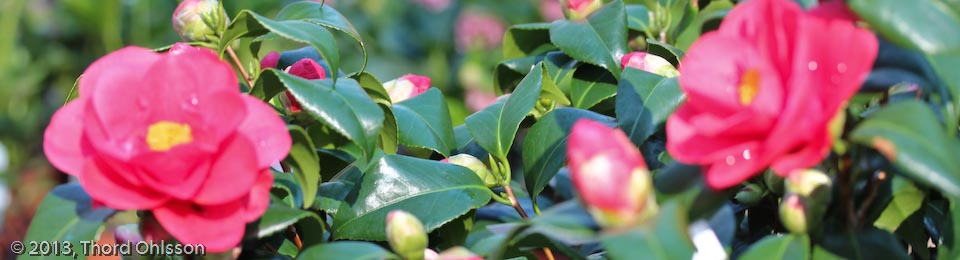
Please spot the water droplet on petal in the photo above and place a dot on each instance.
(842, 67)
(746, 154)
(194, 101)
(812, 65)
(731, 160)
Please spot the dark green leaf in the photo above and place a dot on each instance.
(870, 243)
(526, 40)
(323, 15)
(495, 127)
(794, 247)
(278, 218)
(308, 33)
(590, 86)
(545, 152)
(667, 51)
(424, 121)
(433, 191)
(665, 238)
(918, 24)
(638, 18)
(909, 135)
(304, 162)
(66, 215)
(644, 101)
(907, 199)
(354, 250)
(288, 183)
(945, 66)
(343, 107)
(267, 85)
(601, 41)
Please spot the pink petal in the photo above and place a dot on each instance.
(197, 68)
(266, 130)
(61, 139)
(420, 83)
(712, 71)
(129, 63)
(104, 182)
(232, 174)
(259, 199)
(178, 172)
(218, 227)
(807, 157)
(769, 24)
(270, 60)
(308, 69)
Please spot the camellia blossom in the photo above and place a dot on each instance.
(406, 87)
(762, 90)
(609, 174)
(477, 29)
(171, 133)
(305, 68)
(580, 9)
(649, 63)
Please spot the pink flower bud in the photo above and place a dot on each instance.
(406, 235)
(406, 87)
(609, 174)
(649, 63)
(580, 9)
(270, 60)
(458, 253)
(200, 20)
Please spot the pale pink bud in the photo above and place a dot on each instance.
(609, 174)
(406, 87)
(580, 9)
(649, 63)
(199, 20)
(406, 235)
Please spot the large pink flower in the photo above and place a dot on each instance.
(763, 88)
(171, 133)
(609, 174)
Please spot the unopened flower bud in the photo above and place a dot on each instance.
(200, 20)
(476, 166)
(580, 9)
(429, 254)
(610, 175)
(128, 234)
(649, 63)
(750, 194)
(458, 253)
(805, 182)
(806, 200)
(793, 213)
(406, 235)
(406, 87)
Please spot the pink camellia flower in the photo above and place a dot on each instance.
(550, 10)
(172, 134)
(305, 68)
(609, 174)
(580, 9)
(479, 30)
(762, 90)
(406, 87)
(649, 63)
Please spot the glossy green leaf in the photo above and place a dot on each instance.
(433, 191)
(343, 107)
(644, 101)
(665, 238)
(869, 243)
(568, 223)
(945, 66)
(667, 51)
(304, 163)
(590, 86)
(424, 121)
(545, 152)
(820, 253)
(267, 85)
(510, 72)
(526, 40)
(326, 16)
(909, 134)
(495, 127)
(288, 182)
(278, 218)
(601, 41)
(907, 199)
(295, 30)
(917, 24)
(353, 250)
(793, 247)
(638, 18)
(372, 86)
(66, 215)
(389, 135)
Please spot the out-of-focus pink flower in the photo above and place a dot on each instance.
(649, 63)
(172, 134)
(762, 90)
(406, 87)
(434, 5)
(478, 99)
(609, 174)
(305, 68)
(479, 30)
(551, 10)
(580, 9)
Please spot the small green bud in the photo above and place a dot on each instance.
(773, 182)
(200, 20)
(406, 235)
(476, 166)
(793, 213)
(806, 200)
(805, 182)
(750, 194)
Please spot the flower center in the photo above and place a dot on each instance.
(749, 85)
(163, 135)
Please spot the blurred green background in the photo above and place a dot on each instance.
(46, 44)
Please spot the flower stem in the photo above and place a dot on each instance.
(243, 72)
(516, 206)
